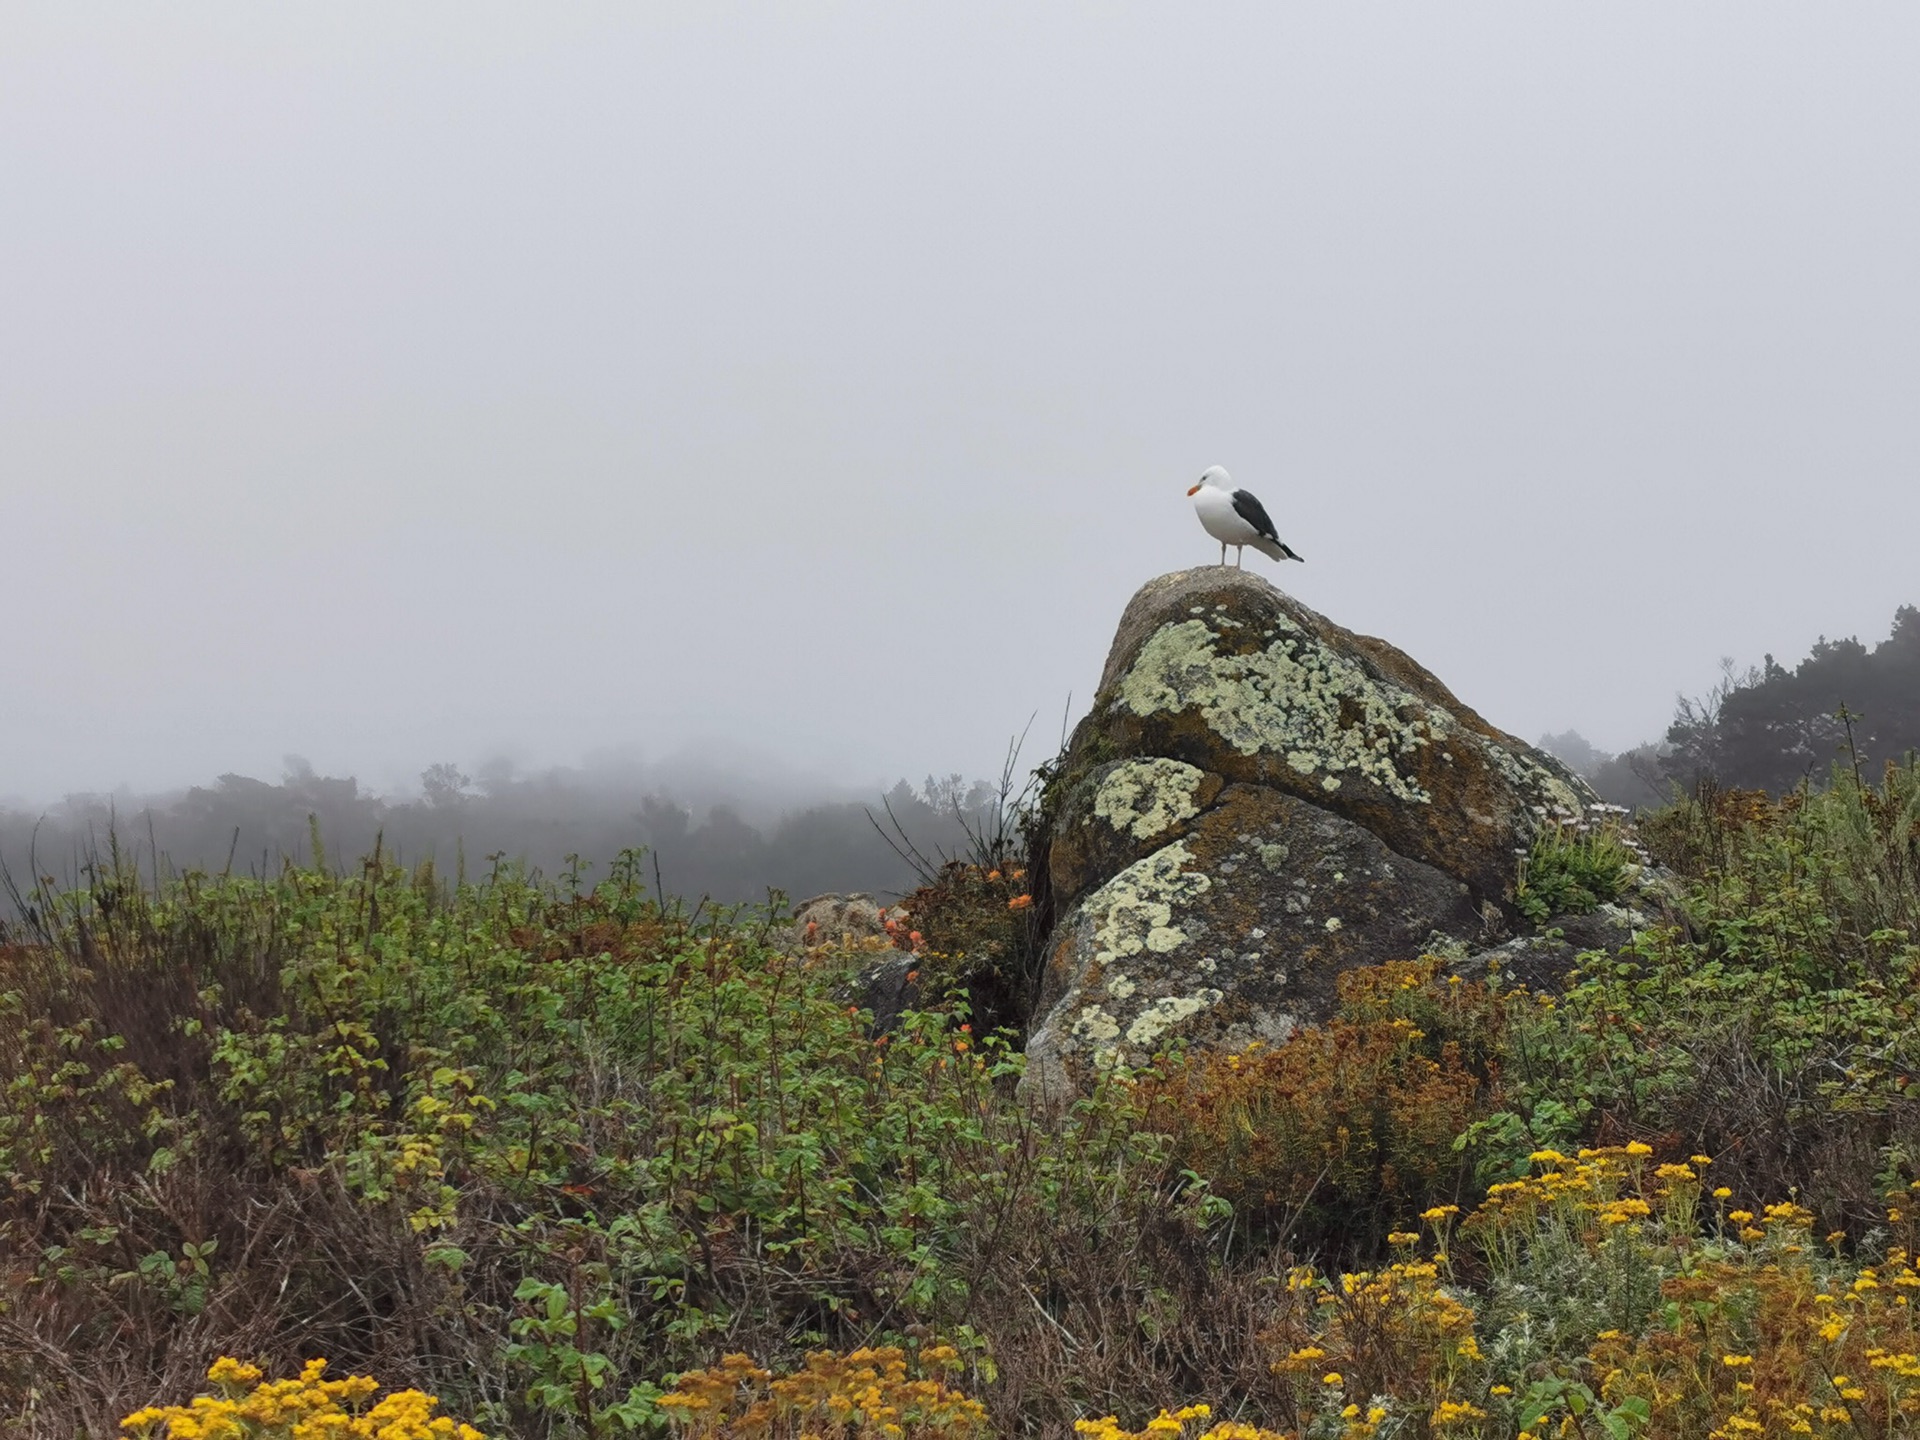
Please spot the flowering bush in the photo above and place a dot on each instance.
(1779, 1027)
(861, 1395)
(1174, 1425)
(977, 937)
(309, 1407)
(1612, 1296)
(1348, 1127)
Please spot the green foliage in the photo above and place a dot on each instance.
(1572, 869)
(536, 1151)
(543, 1151)
(1780, 1026)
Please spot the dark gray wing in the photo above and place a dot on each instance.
(1254, 513)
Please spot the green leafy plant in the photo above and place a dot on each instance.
(1572, 869)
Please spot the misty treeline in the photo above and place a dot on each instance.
(719, 849)
(730, 839)
(1770, 727)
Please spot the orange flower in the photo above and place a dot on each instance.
(1020, 902)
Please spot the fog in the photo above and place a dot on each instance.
(728, 833)
(814, 384)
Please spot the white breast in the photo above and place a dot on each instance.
(1220, 519)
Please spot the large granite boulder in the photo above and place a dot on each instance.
(1258, 801)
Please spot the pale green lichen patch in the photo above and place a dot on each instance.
(1136, 914)
(1269, 1027)
(1144, 798)
(1134, 911)
(1321, 711)
(1156, 1019)
(1536, 781)
(1096, 1025)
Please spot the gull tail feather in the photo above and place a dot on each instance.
(1275, 549)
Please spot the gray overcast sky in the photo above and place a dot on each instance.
(391, 384)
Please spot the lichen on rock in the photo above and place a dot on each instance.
(1144, 798)
(1258, 801)
(1156, 1019)
(1134, 911)
(1319, 710)
(1537, 779)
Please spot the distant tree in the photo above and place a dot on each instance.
(1632, 779)
(1579, 753)
(663, 824)
(1771, 728)
(444, 787)
(495, 775)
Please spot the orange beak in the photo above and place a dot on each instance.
(1193, 489)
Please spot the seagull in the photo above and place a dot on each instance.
(1234, 517)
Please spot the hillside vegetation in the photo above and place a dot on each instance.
(572, 1162)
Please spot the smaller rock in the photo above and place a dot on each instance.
(1542, 958)
(886, 981)
(889, 988)
(843, 920)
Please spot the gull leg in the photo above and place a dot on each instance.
(1223, 554)
(1239, 557)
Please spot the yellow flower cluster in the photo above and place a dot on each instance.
(1797, 1334)
(862, 1395)
(309, 1407)
(1399, 1329)
(1759, 1334)
(1172, 1424)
